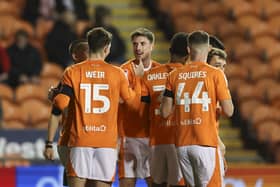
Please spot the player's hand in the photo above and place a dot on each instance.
(139, 68)
(49, 153)
(53, 91)
(160, 97)
(218, 112)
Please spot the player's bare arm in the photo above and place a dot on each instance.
(166, 106)
(52, 127)
(227, 107)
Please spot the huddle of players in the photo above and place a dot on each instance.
(166, 114)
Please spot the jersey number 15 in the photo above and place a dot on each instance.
(92, 93)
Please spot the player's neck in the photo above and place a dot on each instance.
(146, 62)
(199, 58)
(97, 56)
(177, 60)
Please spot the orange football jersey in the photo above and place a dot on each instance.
(95, 88)
(134, 121)
(196, 88)
(162, 131)
(66, 122)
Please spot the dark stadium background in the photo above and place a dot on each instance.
(249, 29)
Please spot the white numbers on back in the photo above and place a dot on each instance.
(95, 97)
(187, 100)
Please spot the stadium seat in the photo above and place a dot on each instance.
(51, 70)
(252, 60)
(6, 92)
(273, 96)
(262, 29)
(250, 22)
(7, 28)
(234, 83)
(9, 8)
(43, 27)
(48, 82)
(247, 92)
(264, 113)
(232, 42)
(38, 113)
(236, 76)
(182, 8)
(265, 42)
(30, 91)
(81, 25)
(213, 9)
(247, 9)
(248, 106)
(265, 131)
(272, 52)
(229, 30)
(245, 50)
(13, 114)
(24, 25)
(271, 8)
(14, 124)
(164, 5)
(260, 71)
(234, 70)
(275, 66)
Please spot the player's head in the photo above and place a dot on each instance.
(199, 45)
(99, 41)
(217, 58)
(179, 45)
(21, 38)
(102, 15)
(79, 50)
(216, 43)
(143, 42)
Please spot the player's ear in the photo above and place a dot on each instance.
(107, 49)
(74, 57)
(152, 46)
(209, 48)
(188, 49)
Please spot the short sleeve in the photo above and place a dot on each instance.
(144, 86)
(66, 78)
(169, 87)
(221, 83)
(145, 95)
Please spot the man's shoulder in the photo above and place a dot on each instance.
(155, 64)
(127, 64)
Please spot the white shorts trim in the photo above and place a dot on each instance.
(165, 166)
(94, 163)
(197, 164)
(222, 166)
(136, 158)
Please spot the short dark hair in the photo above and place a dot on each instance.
(216, 52)
(143, 32)
(98, 38)
(78, 46)
(101, 11)
(21, 32)
(198, 37)
(216, 43)
(179, 44)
